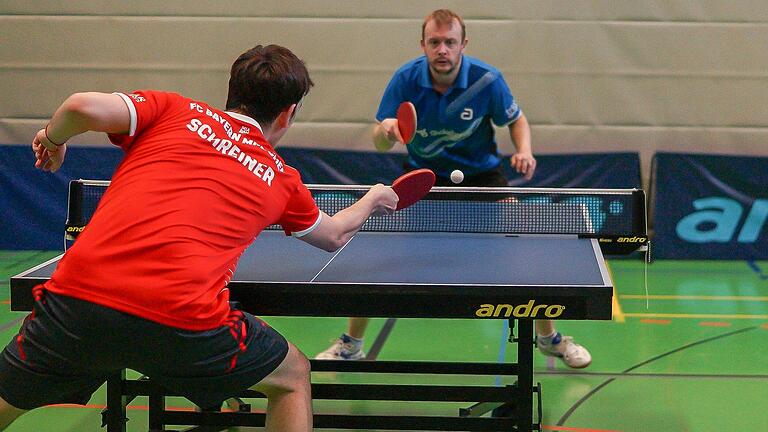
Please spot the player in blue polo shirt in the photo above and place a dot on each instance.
(455, 128)
(458, 100)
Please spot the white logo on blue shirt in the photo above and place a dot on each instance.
(467, 114)
(512, 110)
(446, 138)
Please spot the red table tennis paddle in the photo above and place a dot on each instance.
(406, 121)
(413, 186)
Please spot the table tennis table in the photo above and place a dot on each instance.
(406, 272)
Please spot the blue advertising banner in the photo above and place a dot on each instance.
(581, 170)
(710, 207)
(588, 170)
(33, 203)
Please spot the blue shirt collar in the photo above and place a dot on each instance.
(462, 78)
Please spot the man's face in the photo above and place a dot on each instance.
(443, 47)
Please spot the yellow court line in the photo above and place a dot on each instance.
(696, 316)
(618, 315)
(696, 297)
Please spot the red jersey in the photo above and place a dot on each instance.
(195, 187)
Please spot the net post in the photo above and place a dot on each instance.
(74, 223)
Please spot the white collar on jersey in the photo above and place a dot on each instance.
(245, 118)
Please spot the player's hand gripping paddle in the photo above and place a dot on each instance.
(406, 121)
(413, 186)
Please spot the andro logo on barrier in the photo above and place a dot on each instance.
(718, 219)
(527, 310)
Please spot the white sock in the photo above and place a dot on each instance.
(352, 342)
(547, 340)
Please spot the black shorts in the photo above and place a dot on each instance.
(492, 178)
(67, 348)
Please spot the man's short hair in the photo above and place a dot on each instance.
(265, 80)
(444, 17)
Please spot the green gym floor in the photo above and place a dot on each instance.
(692, 357)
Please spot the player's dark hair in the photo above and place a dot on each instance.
(444, 17)
(265, 80)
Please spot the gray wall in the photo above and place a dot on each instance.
(591, 75)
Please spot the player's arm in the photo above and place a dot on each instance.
(522, 161)
(81, 112)
(335, 231)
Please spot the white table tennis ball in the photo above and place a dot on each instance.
(457, 176)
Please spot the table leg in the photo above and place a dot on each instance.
(524, 407)
(156, 409)
(114, 417)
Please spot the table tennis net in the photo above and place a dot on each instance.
(583, 212)
(506, 210)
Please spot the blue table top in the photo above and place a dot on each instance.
(403, 274)
(428, 258)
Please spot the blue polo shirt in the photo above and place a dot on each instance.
(454, 130)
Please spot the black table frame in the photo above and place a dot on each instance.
(512, 406)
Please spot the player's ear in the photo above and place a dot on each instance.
(286, 116)
(294, 110)
(464, 44)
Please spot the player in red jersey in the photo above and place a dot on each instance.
(145, 285)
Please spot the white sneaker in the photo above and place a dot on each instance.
(573, 355)
(342, 349)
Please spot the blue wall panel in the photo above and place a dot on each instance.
(34, 203)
